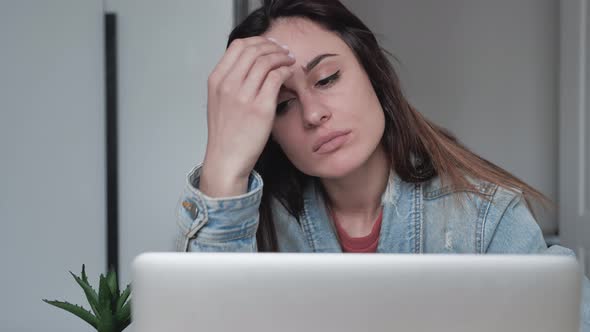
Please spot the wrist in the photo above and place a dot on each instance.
(217, 182)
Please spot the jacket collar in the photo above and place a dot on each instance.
(321, 233)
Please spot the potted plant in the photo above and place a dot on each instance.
(112, 308)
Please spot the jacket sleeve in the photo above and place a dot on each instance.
(517, 232)
(217, 224)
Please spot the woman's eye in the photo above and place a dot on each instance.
(282, 107)
(328, 80)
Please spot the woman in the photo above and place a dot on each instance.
(305, 102)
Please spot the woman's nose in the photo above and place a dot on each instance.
(315, 115)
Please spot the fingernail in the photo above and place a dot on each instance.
(291, 55)
(285, 47)
(271, 39)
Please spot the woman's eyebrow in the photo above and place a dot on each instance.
(315, 61)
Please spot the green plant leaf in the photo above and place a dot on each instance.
(76, 310)
(124, 314)
(91, 295)
(112, 308)
(124, 296)
(112, 282)
(106, 323)
(84, 277)
(125, 323)
(104, 295)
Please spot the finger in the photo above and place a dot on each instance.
(233, 52)
(270, 88)
(259, 71)
(237, 74)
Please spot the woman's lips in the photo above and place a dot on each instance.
(331, 142)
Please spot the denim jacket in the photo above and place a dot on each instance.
(417, 218)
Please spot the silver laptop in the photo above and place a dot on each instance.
(284, 292)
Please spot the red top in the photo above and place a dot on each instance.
(364, 244)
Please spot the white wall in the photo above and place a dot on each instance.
(487, 70)
(52, 206)
(166, 52)
(574, 122)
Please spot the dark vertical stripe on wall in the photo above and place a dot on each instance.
(240, 11)
(111, 142)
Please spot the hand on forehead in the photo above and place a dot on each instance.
(306, 40)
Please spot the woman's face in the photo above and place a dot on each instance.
(329, 121)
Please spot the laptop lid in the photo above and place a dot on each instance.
(285, 292)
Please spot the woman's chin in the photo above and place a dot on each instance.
(335, 169)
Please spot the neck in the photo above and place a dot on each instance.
(358, 194)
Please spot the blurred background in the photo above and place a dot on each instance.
(509, 78)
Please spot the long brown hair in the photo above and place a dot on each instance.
(419, 150)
